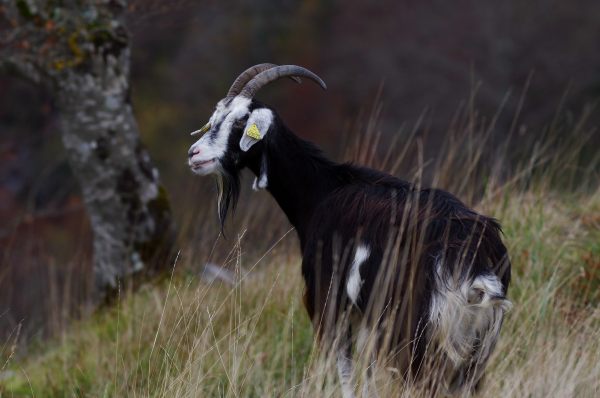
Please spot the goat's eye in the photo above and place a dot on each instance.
(239, 123)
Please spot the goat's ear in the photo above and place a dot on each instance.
(258, 124)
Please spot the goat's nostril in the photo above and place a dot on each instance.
(193, 151)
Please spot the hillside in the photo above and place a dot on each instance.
(184, 336)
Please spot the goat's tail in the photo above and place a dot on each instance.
(465, 318)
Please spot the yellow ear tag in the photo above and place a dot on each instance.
(253, 132)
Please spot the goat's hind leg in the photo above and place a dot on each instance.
(345, 365)
(370, 387)
(365, 346)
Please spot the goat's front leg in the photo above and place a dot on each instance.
(345, 366)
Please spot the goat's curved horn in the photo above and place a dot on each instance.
(278, 72)
(248, 74)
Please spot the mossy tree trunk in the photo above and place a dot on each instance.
(127, 205)
(82, 55)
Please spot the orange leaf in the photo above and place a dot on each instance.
(50, 25)
(524, 254)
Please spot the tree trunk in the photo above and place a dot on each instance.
(81, 53)
(128, 207)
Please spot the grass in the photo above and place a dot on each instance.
(184, 336)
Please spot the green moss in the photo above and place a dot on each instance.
(158, 246)
(160, 204)
(99, 38)
(154, 249)
(128, 188)
(52, 5)
(25, 9)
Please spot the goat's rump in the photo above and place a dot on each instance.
(428, 274)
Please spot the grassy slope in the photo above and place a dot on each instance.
(185, 337)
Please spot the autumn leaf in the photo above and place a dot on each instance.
(50, 25)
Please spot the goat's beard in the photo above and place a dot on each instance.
(228, 192)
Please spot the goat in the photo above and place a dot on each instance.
(413, 268)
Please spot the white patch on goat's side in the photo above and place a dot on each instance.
(213, 144)
(262, 118)
(355, 280)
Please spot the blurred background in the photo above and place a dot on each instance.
(404, 59)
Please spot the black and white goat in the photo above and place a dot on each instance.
(424, 276)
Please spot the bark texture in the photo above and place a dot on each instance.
(82, 55)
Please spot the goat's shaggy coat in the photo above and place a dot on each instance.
(424, 275)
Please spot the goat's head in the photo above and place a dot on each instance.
(231, 139)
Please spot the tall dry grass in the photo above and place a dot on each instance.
(186, 336)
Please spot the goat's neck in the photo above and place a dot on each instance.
(299, 176)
